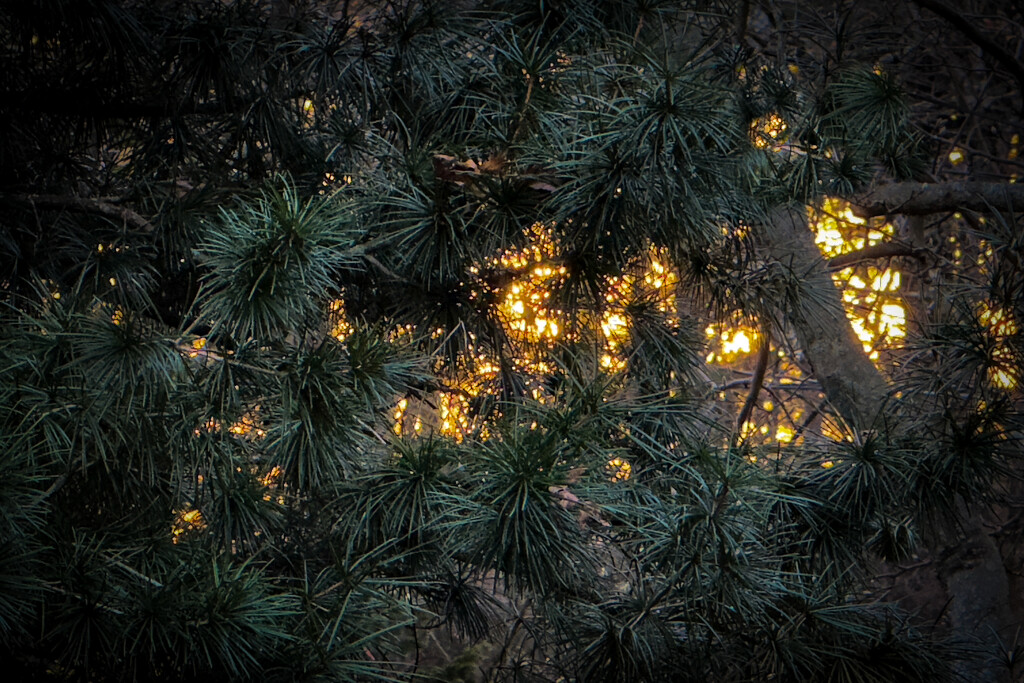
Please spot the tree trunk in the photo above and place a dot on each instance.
(968, 562)
(852, 384)
(972, 572)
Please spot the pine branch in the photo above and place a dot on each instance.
(86, 102)
(742, 18)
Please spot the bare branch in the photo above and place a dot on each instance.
(965, 27)
(883, 250)
(101, 207)
(756, 381)
(915, 199)
(742, 17)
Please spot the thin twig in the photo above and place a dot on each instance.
(967, 28)
(756, 381)
(742, 16)
(874, 251)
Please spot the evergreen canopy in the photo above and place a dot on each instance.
(367, 341)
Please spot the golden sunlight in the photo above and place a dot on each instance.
(768, 131)
(870, 294)
(999, 326)
(341, 328)
(186, 520)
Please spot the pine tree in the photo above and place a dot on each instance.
(370, 341)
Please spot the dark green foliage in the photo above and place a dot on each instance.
(314, 425)
(402, 502)
(201, 475)
(272, 265)
(514, 525)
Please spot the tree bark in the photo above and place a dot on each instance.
(972, 572)
(851, 382)
(915, 199)
(969, 564)
(874, 251)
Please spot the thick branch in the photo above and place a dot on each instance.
(971, 569)
(100, 207)
(914, 199)
(87, 102)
